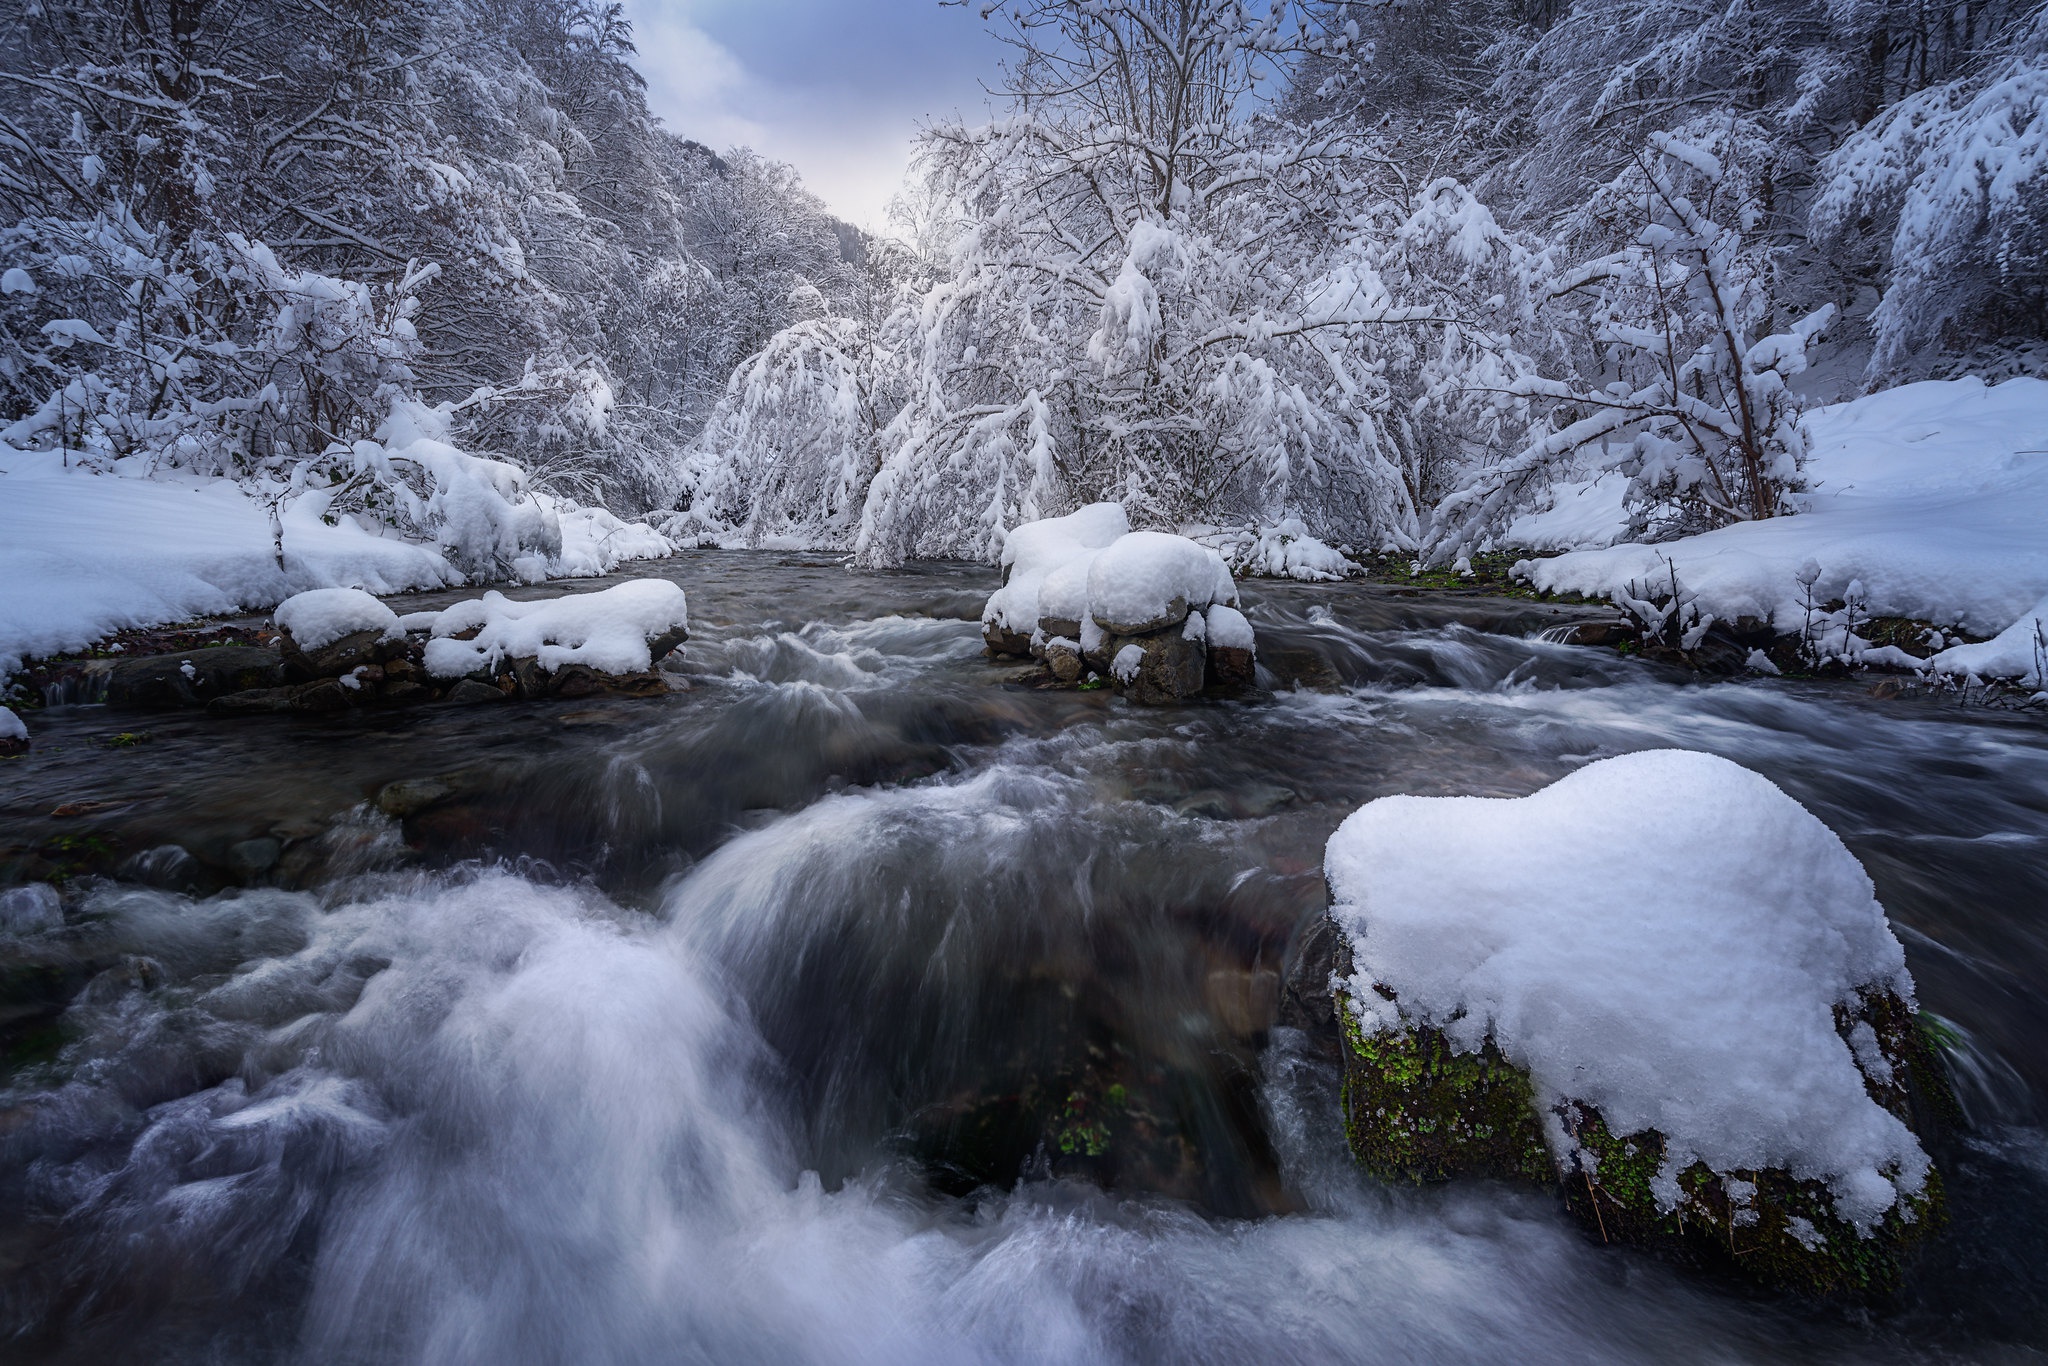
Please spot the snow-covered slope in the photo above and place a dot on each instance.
(83, 554)
(1933, 496)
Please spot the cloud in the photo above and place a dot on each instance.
(835, 88)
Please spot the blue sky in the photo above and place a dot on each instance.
(834, 87)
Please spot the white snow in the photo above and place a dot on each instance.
(1127, 663)
(1228, 629)
(1034, 550)
(1683, 980)
(1583, 515)
(606, 630)
(1934, 495)
(322, 616)
(2020, 651)
(1140, 578)
(11, 727)
(84, 554)
(1281, 550)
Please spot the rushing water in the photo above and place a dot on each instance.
(854, 1003)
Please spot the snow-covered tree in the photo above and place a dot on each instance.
(1950, 187)
(1690, 395)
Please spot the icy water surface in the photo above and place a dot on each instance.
(855, 1004)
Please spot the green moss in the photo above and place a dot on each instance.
(1416, 1110)
(1763, 1225)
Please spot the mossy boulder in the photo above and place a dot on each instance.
(1416, 1109)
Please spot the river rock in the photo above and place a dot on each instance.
(1232, 666)
(410, 796)
(1063, 660)
(194, 679)
(337, 657)
(252, 858)
(1168, 668)
(468, 692)
(1003, 643)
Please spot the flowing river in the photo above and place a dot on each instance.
(855, 1003)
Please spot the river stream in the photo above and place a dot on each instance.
(855, 1002)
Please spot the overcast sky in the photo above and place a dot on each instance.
(836, 88)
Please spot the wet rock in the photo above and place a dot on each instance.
(410, 796)
(575, 680)
(1005, 644)
(30, 909)
(255, 702)
(13, 746)
(337, 657)
(1172, 668)
(1174, 613)
(403, 692)
(1060, 628)
(1598, 633)
(468, 693)
(1063, 660)
(168, 867)
(661, 646)
(325, 696)
(252, 858)
(194, 679)
(1232, 667)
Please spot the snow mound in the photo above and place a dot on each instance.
(1933, 495)
(1034, 550)
(11, 727)
(1586, 515)
(1228, 629)
(1151, 579)
(1685, 981)
(2019, 652)
(1286, 550)
(322, 616)
(608, 631)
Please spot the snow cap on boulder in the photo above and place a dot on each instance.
(1034, 550)
(322, 616)
(609, 631)
(1684, 982)
(1150, 580)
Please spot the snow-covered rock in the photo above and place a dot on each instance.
(1150, 580)
(322, 616)
(1032, 552)
(1684, 995)
(620, 630)
(13, 734)
(2018, 652)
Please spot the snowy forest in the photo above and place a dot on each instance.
(1389, 271)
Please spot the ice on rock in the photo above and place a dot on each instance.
(1684, 982)
(324, 615)
(1152, 579)
(607, 631)
(1033, 551)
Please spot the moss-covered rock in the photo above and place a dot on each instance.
(1416, 1110)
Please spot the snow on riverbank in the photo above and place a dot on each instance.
(1933, 497)
(1686, 985)
(83, 555)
